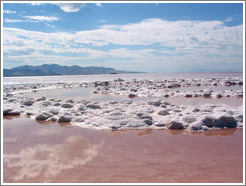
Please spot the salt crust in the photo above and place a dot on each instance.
(127, 113)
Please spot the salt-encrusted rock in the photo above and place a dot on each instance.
(93, 106)
(207, 95)
(41, 99)
(120, 80)
(163, 112)
(133, 90)
(177, 110)
(113, 102)
(54, 111)
(218, 95)
(239, 117)
(81, 108)
(160, 125)
(189, 119)
(156, 102)
(148, 121)
(240, 83)
(230, 112)
(126, 101)
(70, 101)
(6, 111)
(27, 102)
(9, 95)
(239, 95)
(195, 126)
(163, 106)
(53, 119)
(84, 102)
(175, 125)
(46, 103)
(132, 95)
(222, 121)
(144, 116)
(166, 103)
(196, 110)
(11, 112)
(172, 85)
(228, 121)
(198, 125)
(66, 105)
(43, 116)
(56, 104)
(188, 95)
(79, 119)
(14, 112)
(239, 124)
(228, 83)
(29, 113)
(12, 100)
(66, 118)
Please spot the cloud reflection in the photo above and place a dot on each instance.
(50, 160)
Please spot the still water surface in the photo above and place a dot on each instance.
(111, 77)
(56, 152)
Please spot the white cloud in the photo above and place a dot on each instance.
(42, 18)
(49, 25)
(228, 19)
(66, 7)
(14, 20)
(38, 4)
(9, 12)
(70, 7)
(98, 4)
(176, 40)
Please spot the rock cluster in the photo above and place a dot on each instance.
(128, 113)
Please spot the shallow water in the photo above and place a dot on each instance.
(73, 93)
(87, 94)
(52, 152)
(111, 77)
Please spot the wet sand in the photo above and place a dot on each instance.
(57, 152)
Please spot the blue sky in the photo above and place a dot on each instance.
(150, 37)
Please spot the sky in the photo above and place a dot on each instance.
(146, 37)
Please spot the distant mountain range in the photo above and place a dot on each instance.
(53, 69)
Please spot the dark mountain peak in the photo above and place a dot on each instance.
(55, 69)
